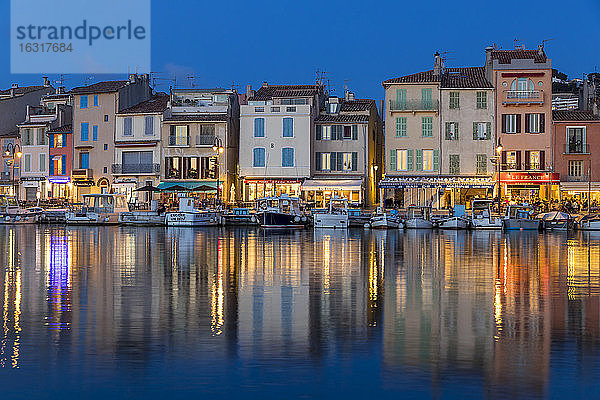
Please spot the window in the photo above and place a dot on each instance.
(42, 162)
(294, 101)
(96, 102)
(179, 135)
(454, 100)
(426, 126)
(347, 132)
(105, 170)
(347, 161)
(482, 130)
(400, 99)
(404, 160)
(259, 127)
(84, 160)
(275, 109)
(534, 160)
(149, 125)
(95, 133)
(324, 161)
(481, 100)
(258, 157)
(576, 168)
(451, 130)
(127, 126)
(511, 123)
(83, 102)
(426, 99)
(105, 117)
(481, 164)
(26, 162)
(326, 133)
(42, 138)
(401, 127)
(27, 138)
(522, 85)
(576, 140)
(136, 162)
(259, 109)
(191, 167)
(512, 161)
(288, 127)
(58, 141)
(105, 146)
(428, 160)
(290, 109)
(287, 157)
(337, 132)
(173, 167)
(85, 131)
(454, 164)
(333, 108)
(534, 123)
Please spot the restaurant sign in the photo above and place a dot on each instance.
(530, 178)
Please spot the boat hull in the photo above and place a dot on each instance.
(512, 224)
(184, 218)
(385, 222)
(18, 219)
(73, 218)
(142, 218)
(454, 223)
(332, 221)
(589, 226)
(418, 223)
(486, 223)
(270, 219)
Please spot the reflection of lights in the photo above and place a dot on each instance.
(216, 302)
(10, 345)
(326, 263)
(498, 308)
(58, 281)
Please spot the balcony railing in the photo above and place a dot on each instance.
(205, 140)
(82, 173)
(135, 169)
(414, 105)
(577, 148)
(577, 178)
(523, 96)
(179, 140)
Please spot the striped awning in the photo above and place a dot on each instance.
(189, 186)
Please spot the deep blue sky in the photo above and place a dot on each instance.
(241, 42)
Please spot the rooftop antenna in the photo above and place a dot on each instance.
(88, 79)
(191, 80)
(156, 77)
(234, 85)
(518, 43)
(546, 41)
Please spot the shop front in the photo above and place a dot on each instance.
(256, 188)
(34, 188)
(318, 191)
(437, 192)
(580, 191)
(60, 188)
(529, 186)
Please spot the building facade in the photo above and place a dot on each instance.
(200, 138)
(576, 142)
(277, 128)
(137, 156)
(347, 160)
(94, 115)
(523, 98)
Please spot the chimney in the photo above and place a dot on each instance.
(249, 91)
(132, 78)
(348, 95)
(46, 81)
(489, 64)
(265, 84)
(438, 64)
(540, 49)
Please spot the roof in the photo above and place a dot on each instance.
(156, 104)
(575, 115)
(197, 118)
(33, 123)
(356, 105)
(506, 56)
(57, 96)
(10, 134)
(463, 77)
(61, 129)
(342, 118)
(100, 87)
(23, 90)
(270, 91)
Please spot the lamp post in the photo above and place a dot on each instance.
(12, 151)
(375, 168)
(218, 149)
(499, 153)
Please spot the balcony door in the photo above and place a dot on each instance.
(576, 140)
(137, 162)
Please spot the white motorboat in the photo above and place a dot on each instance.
(556, 221)
(282, 212)
(482, 217)
(383, 220)
(457, 219)
(152, 217)
(418, 217)
(189, 215)
(11, 212)
(335, 216)
(590, 222)
(98, 209)
(520, 217)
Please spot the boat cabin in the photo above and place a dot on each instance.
(105, 203)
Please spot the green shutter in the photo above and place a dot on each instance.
(447, 130)
(419, 160)
(332, 162)
(354, 132)
(488, 130)
(319, 132)
(474, 130)
(354, 161)
(436, 160)
(409, 160)
(456, 131)
(318, 161)
(393, 164)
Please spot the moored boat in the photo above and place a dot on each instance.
(280, 212)
(239, 217)
(590, 222)
(335, 216)
(418, 217)
(98, 209)
(189, 215)
(457, 219)
(520, 217)
(556, 221)
(11, 212)
(383, 220)
(482, 217)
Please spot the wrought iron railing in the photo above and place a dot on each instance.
(179, 140)
(414, 105)
(136, 168)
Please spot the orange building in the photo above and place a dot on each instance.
(523, 99)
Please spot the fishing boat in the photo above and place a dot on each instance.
(189, 215)
(335, 216)
(240, 217)
(418, 217)
(383, 220)
(482, 217)
(98, 209)
(556, 221)
(456, 220)
(590, 222)
(11, 212)
(358, 218)
(280, 212)
(520, 217)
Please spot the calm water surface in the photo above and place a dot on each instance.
(174, 313)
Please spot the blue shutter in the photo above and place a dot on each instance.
(333, 162)
(318, 161)
(354, 132)
(95, 133)
(63, 165)
(51, 141)
(85, 131)
(96, 104)
(64, 140)
(319, 132)
(51, 169)
(340, 161)
(354, 161)
(288, 127)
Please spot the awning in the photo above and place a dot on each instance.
(332, 184)
(437, 182)
(579, 187)
(190, 186)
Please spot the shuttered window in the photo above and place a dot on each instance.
(454, 100)
(426, 126)
(288, 127)
(481, 100)
(451, 131)
(454, 164)
(259, 127)
(401, 127)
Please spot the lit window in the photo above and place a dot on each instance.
(427, 160)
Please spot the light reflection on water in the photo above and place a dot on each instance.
(418, 313)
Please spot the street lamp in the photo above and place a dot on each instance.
(218, 149)
(499, 153)
(12, 151)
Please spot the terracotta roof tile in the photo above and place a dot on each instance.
(574, 115)
(61, 129)
(506, 56)
(271, 91)
(342, 118)
(197, 118)
(156, 104)
(463, 77)
(100, 87)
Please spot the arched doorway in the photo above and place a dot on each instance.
(103, 184)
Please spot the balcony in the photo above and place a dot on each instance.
(577, 178)
(179, 140)
(82, 173)
(577, 148)
(5, 177)
(205, 140)
(414, 105)
(135, 169)
(523, 97)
